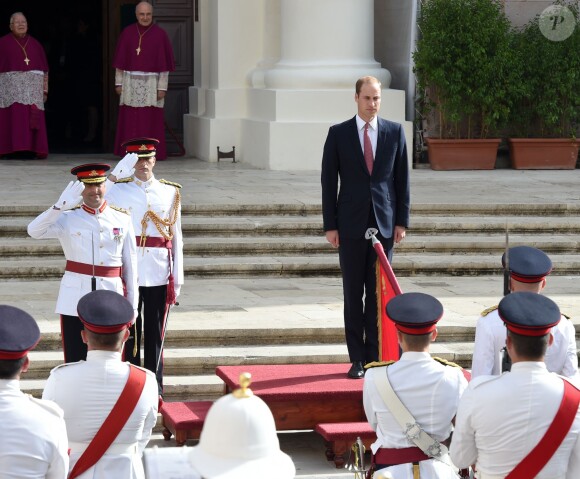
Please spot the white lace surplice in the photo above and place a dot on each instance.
(22, 87)
(139, 89)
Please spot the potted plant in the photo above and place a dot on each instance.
(463, 67)
(544, 123)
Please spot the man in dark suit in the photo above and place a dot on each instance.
(374, 193)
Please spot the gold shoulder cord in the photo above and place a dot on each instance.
(162, 225)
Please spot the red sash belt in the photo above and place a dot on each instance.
(404, 455)
(114, 422)
(539, 456)
(83, 268)
(154, 242)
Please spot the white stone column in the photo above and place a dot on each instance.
(325, 44)
(276, 74)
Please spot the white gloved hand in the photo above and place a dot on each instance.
(71, 196)
(177, 289)
(126, 167)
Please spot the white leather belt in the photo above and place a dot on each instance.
(130, 449)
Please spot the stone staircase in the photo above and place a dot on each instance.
(270, 243)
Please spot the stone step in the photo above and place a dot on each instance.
(194, 378)
(189, 373)
(315, 209)
(310, 245)
(268, 334)
(176, 388)
(423, 264)
(204, 360)
(261, 332)
(312, 225)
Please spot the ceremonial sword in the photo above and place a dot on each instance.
(93, 279)
(505, 360)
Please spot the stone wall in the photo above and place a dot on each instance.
(521, 12)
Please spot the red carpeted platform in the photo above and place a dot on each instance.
(302, 395)
(339, 437)
(184, 419)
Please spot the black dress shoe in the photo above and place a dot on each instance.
(356, 371)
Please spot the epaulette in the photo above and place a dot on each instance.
(66, 364)
(378, 364)
(445, 362)
(47, 405)
(165, 182)
(129, 179)
(485, 312)
(122, 210)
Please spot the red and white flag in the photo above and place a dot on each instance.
(387, 288)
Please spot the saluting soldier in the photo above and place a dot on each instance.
(155, 207)
(34, 442)
(525, 422)
(110, 406)
(411, 403)
(99, 245)
(528, 269)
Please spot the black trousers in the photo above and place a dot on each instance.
(357, 263)
(72, 343)
(149, 324)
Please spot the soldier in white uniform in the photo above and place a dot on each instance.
(99, 245)
(501, 419)
(34, 442)
(88, 391)
(429, 389)
(155, 207)
(528, 268)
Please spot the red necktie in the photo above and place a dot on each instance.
(368, 149)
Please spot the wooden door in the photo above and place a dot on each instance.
(176, 18)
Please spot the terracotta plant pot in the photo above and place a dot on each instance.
(462, 154)
(543, 153)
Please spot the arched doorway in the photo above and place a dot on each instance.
(70, 32)
(79, 39)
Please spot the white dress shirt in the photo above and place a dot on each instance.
(490, 334)
(138, 197)
(87, 391)
(105, 237)
(34, 443)
(373, 133)
(430, 391)
(502, 418)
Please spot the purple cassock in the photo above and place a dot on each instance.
(143, 60)
(23, 81)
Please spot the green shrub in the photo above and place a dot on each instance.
(547, 90)
(463, 63)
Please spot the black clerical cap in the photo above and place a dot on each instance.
(415, 313)
(528, 314)
(19, 332)
(527, 264)
(143, 147)
(91, 173)
(105, 312)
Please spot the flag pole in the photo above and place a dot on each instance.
(387, 288)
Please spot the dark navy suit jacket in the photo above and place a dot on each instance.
(345, 206)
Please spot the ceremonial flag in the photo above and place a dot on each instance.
(387, 288)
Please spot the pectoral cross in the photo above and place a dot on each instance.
(26, 60)
(138, 50)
